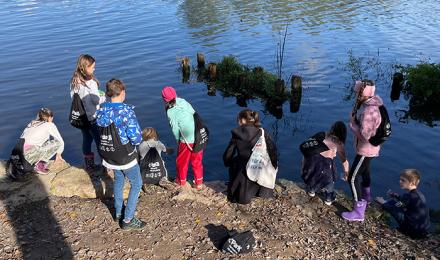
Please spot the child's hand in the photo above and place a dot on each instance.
(392, 194)
(380, 200)
(345, 177)
(170, 150)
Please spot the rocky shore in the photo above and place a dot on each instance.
(67, 214)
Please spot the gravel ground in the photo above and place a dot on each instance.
(186, 224)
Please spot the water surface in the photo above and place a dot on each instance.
(141, 43)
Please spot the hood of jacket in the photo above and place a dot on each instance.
(106, 115)
(246, 132)
(374, 101)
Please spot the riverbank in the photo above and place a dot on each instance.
(186, 224)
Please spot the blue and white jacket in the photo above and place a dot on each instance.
(124, 118)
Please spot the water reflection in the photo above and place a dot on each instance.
(210, 18)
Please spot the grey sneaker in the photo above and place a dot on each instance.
(134, 224)
(311, 193)
(117, 218)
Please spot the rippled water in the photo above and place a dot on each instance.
(143, 42)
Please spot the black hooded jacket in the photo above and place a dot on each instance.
(236, 156)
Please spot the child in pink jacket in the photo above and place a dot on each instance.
(363, 127)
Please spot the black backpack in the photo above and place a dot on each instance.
(112, 150)
(314, 145)
(201, 134)
(383, 132)
(17, 167)
(239, 243)
(152, 167)
(78, 117)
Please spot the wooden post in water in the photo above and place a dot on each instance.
(397, 86)
(212, 70)
(186, 69)
(185, 65)
(295, 93)
(200, 60)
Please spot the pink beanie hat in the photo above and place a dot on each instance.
(368, 90)
(168, 93)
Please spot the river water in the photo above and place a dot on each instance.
(328, 43)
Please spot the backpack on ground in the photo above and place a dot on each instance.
(383, 132)
(239, 243)
(112, 150)
(17, 167)
(152, 167)
(259, 168)
(78, 117)
(314, 145)
(201, 134)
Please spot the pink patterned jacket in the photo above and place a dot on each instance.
(369, 121)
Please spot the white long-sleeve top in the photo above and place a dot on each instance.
(38, 132)
(90, 97)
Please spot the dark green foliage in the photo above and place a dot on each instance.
(235, 79)
(423, 83)
(422, 88)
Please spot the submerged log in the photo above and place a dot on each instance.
(241, 101)
(200, 60)
(296, 93)
(212, 70)
(275, 108)
(211, 88)
(396, 86)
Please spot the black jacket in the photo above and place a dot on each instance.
(236, 156)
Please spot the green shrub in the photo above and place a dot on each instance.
(423, 83)
(236, 79)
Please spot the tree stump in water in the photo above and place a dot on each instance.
(186, 69)
(397, 86)
(295, 93)
(212, 70)
(200, 60)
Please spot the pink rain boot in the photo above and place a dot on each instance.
(358, 212)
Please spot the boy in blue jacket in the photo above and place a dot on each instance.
(117, 120)
(410, 209)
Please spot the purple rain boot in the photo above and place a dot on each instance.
(358, 212)
(366, 194)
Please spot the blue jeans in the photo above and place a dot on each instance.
(90, 134)
(396, 212)
(329, 188)
(134, 176)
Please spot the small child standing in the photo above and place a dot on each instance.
(157, 171)
(150, 139)
(410, 209)
(318, 169)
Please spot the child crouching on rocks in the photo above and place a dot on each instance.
(410, 209)
(42, 141)
(318, 169)
(152, 166)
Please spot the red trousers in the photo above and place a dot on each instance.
(184, 156)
